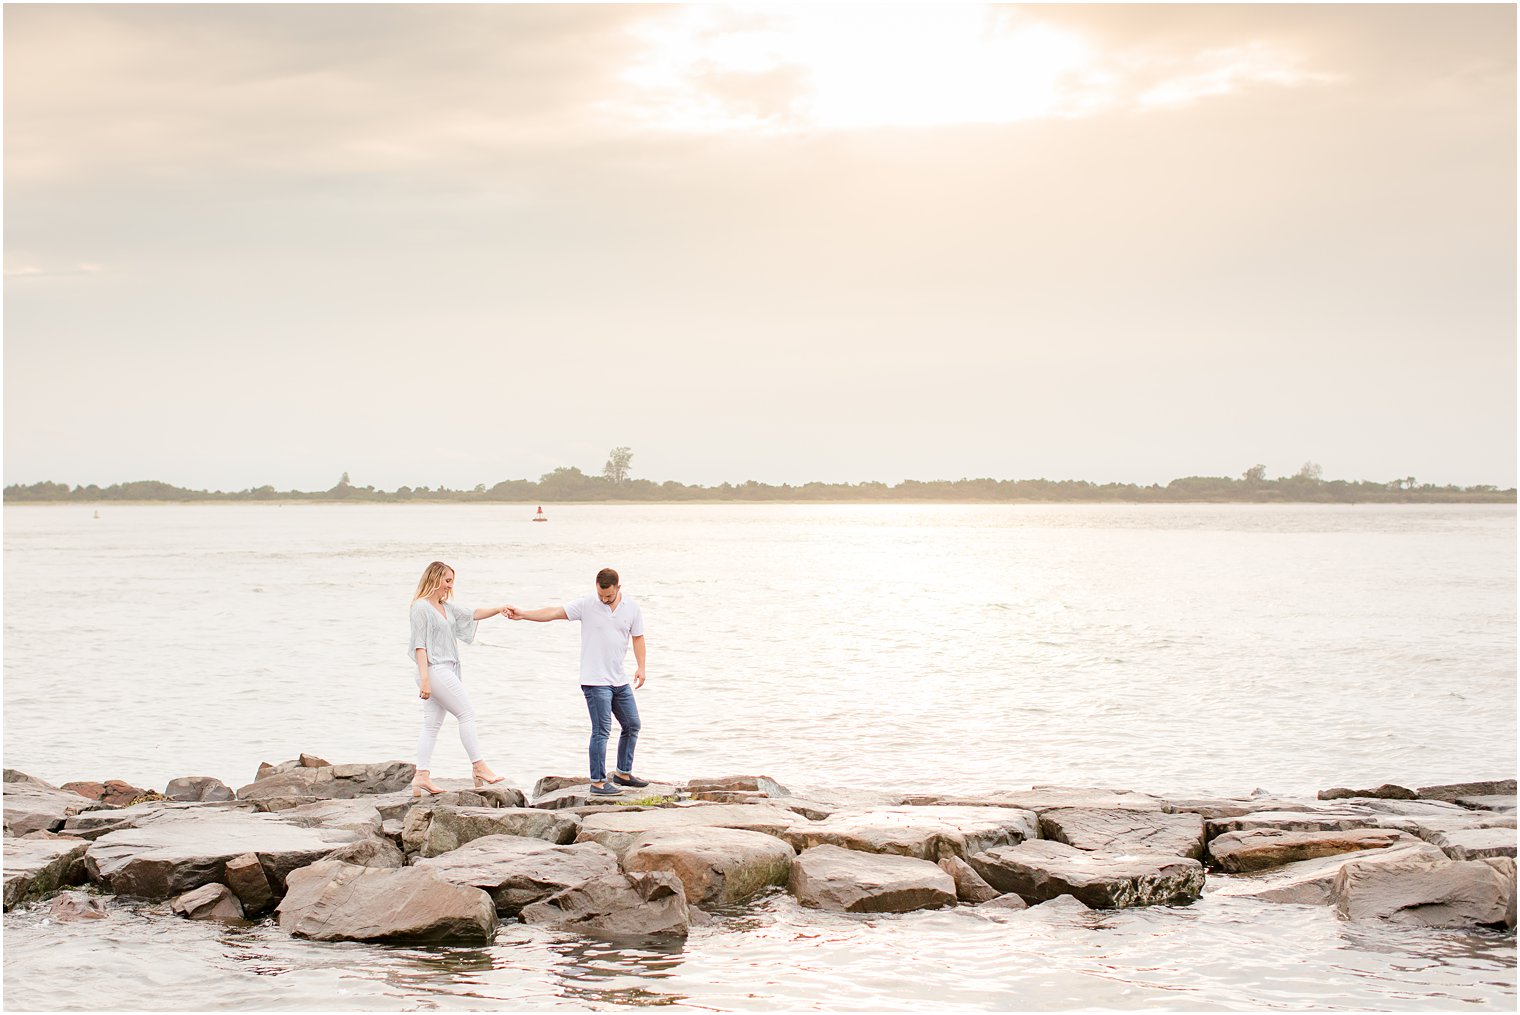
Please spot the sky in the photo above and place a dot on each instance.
(427, 245)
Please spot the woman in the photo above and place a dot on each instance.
(437, 627)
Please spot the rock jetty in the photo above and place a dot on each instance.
(343, 852)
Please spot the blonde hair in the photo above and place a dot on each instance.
(431, 579)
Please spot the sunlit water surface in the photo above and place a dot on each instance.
(1183, 649)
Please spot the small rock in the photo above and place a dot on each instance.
(246, 877)
(1013, 902)
(371, 852)
(312, 761)
(198, 788)
(969, 886)
(209, 902)
(71, 907)
(1387, 791)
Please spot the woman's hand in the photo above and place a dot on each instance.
(425, 691)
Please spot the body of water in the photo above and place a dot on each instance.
(1199, 649)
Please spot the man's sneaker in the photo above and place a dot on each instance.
(605, 789)
(629, 780)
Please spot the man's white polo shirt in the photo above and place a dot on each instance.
(604, 638)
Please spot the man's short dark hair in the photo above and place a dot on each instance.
(606, 578)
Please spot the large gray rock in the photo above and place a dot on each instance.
(198, 789)
(1040, 870)
(178, 852)
(620, 906)
(1044, 798)
(1426, 893)
(1475, 843)
(1308, 882)
(209, 902)
(1499, 803)
(928, 832)
(331, 782)
(94, 824)
(1219, 807)
(32, 805)
(554, 783)
(1506, 867)
(1435, 830)
(517, 871)
(333, 901)
(617, 831)
(969, 886)
(1124, 831)
(1341, 819)
(34, 868)
(1387, 791)
(850, 881)
(1261, 848)
(762, 784)
(717, 866)
(579, 795)
(1456, 790)
(433, 831)
(355, 815)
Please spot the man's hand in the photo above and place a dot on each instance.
(638, 679)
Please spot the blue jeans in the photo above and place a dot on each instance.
(603, 703)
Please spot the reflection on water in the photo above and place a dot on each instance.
(1217, 953)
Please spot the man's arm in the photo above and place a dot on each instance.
(540, 616)
(638, 655)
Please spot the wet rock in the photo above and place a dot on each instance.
(1387, 791)
(1475, 843)
(209, 902)
(517, 871)
(1010, 902)
(332, 782)
(717, 866)
(245, 876)
(1261, 848)
(35, 868)
(1124, 831)
(1497, 803)
(32, 805)
(178, 852)
(647, 904)
(1041, 870)
(928, 832)
(198, 789)
(762, 784)
(1308, 882)
(969, 886)
(617, 831)
(437, 830)
(1044, 798)
(371, 852)
(1455, 790)
(73, 907)
(1506, 868)
(1425, 893)
(849, 881)
(333, 901)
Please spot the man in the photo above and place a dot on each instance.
(608, 622)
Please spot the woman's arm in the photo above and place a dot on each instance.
(426, 690)
(490, 611)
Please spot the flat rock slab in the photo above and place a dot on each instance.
(1041, 870)
(850, 881)
(94, 824)
(717, 866)
(929, 832)
(1425, 893)
(1124, 831)
(1454, 790)
(355, 815)
(1475, 843)
(1261, 848)
(517, 871)
(332, 901)
(1387, 791)
(619, 831)
(178, 852)
(1044, 798)
(762, 784)
(1339, 820)
(433, 831)
(1492, 802)
(31, 805)
(1221, 807)
(1308, 882)
(35, 868)
(618, 906)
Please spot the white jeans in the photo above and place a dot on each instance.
(447, 696)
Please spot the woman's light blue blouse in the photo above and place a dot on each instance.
(437, 635)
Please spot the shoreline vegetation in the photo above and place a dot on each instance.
(571, 485)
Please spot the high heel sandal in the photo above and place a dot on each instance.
(418, 789)
(481, 782)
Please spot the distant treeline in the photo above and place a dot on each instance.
(570, 484)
